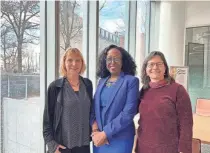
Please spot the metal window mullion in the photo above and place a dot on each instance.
(57, 38)
(93, 40)
(43, 67)
(148, 23)
(51, 42)
(127, 25)
(132, 28)
(85, 47)
(154, 26)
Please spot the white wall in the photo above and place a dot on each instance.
(22, 124)
(197, 13)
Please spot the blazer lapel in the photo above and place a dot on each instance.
(98, 100)
(114, 93)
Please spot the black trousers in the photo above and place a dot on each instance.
(83, 149)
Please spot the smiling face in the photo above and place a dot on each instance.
(155, 69)
(114, 61)
(73, 64)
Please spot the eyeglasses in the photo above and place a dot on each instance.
(151, 65)
(113, 59)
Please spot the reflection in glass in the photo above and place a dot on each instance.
(197, 57)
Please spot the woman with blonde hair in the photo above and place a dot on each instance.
(67, 110)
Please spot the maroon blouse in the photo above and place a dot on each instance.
(165, 124)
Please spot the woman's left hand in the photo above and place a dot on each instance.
(99, 138)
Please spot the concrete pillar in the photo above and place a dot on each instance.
(172, 31)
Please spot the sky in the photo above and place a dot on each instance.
(112, 16)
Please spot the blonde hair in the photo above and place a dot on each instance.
(70, 52)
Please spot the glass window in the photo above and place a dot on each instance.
(102, 32)
(71, 24)
(107, 34)
(114, 38)
(142, 28)
(197, 57)
(20, 77)
(112, 19)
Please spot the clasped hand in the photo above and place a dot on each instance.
(99, 138)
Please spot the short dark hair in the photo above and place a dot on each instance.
(128, 64)
(144, 78)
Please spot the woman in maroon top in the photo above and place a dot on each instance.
(165, 124)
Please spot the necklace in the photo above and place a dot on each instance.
(110, 83)
(73, 85)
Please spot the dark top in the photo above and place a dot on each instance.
(75, 116)
(77, 93)
(53, 110)
(165, 124)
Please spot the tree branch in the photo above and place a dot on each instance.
(11, 23)
(102, 6)
(62, 48)
(76, 33)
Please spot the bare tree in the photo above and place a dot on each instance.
(143, 8)
(72, 22)
(21, 16)
(4, 33)
(28, 60)
(8, 46)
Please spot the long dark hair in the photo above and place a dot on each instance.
(128, 64)
(144, 78)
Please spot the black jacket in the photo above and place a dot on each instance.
(53, 110)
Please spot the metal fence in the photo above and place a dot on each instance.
(20, 86)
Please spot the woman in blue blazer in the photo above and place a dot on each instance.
(115, 102)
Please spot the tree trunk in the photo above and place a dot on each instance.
(66, 17)
(5, 64)
(19, 57)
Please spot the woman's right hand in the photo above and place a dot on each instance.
(59, 147)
